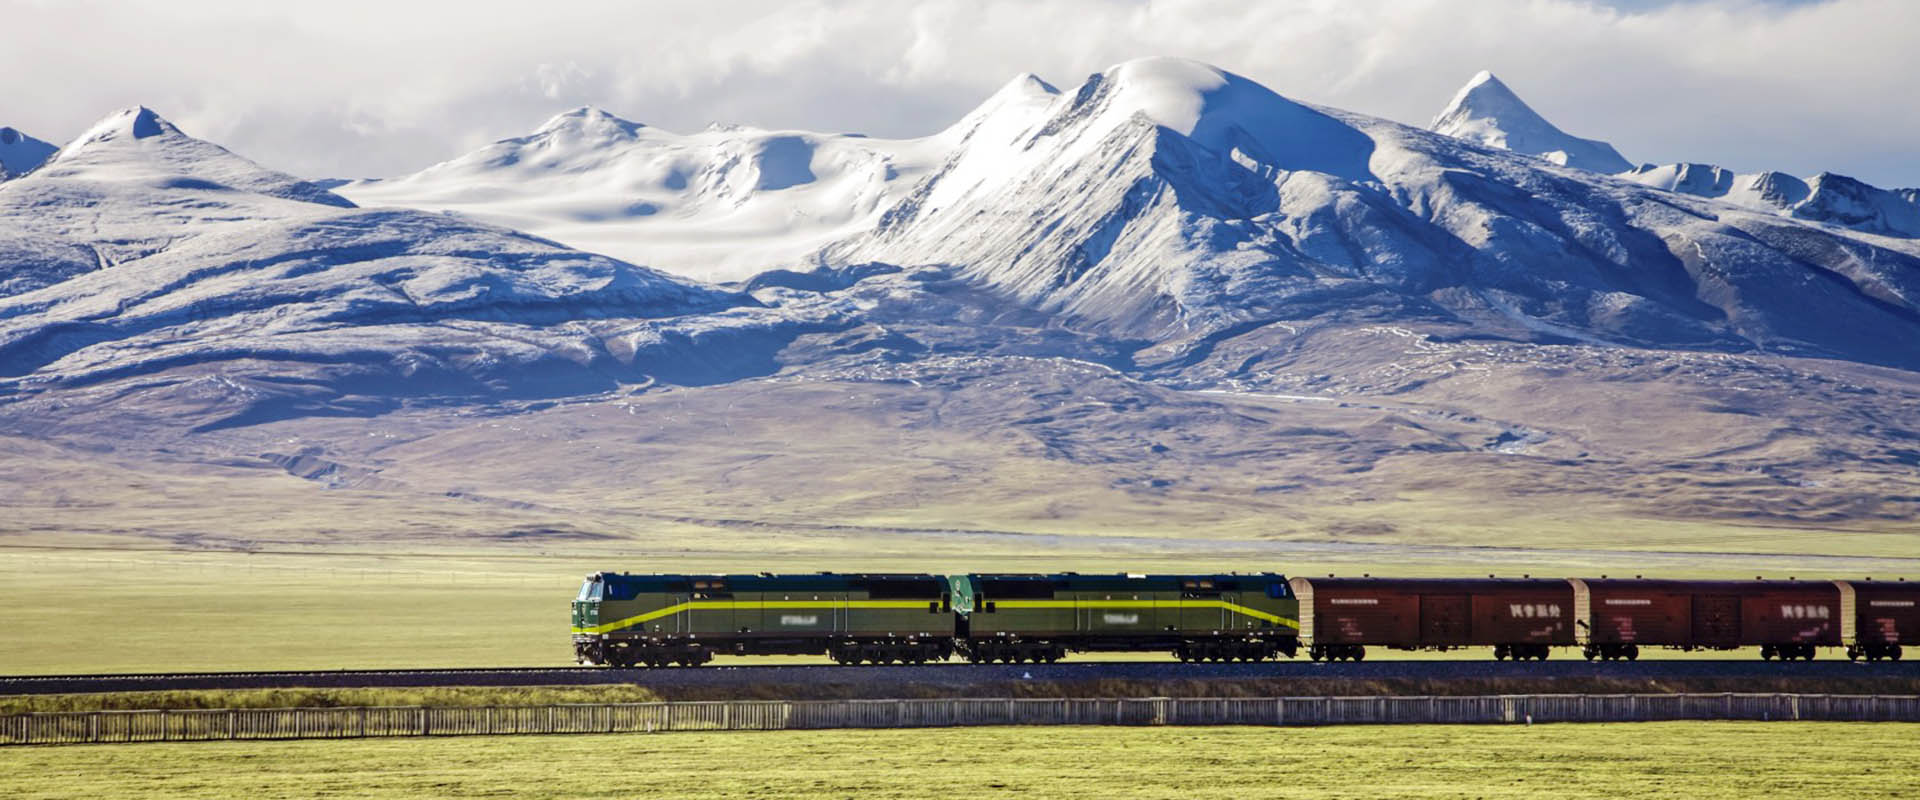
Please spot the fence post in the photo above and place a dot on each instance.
(166, 730)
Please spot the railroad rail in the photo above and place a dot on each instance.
(961, 674)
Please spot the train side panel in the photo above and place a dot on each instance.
(1798, 615)
(1025, 616)
(1435, 613)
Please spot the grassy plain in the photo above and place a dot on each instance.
(115, 612)
(1805, 761)
(435, 696)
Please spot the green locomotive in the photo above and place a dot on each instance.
(656, 620)
(1196, 617)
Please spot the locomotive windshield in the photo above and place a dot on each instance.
(593, 589)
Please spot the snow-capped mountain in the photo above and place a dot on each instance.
(1167, 199)
(721, 204)
(1833, 199)
(20, 153)
(1486, 112)
(1161, 201)
(1166, 290)
(139, 250)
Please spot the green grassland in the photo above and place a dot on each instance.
(108, 612)
(1805, 761)
(434, 696)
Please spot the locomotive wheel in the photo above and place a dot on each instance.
(1633, 652)
(1893, 652)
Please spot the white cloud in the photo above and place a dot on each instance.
(358, 87)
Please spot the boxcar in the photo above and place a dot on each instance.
(624, 620)
(1029, 617)
(1519, 618)
(1787, 619)
(1877, 618)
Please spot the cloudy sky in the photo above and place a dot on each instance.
(381, 87)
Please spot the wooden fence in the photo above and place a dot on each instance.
(83, 727)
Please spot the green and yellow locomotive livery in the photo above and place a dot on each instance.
(1248, 617)
(655, 620)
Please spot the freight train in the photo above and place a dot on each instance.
(626, 620)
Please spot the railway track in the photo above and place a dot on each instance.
(960, 675)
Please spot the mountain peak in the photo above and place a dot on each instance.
(1487, 112)
(1225, 113)
(590, 121)
(127, 124)
(20, 153)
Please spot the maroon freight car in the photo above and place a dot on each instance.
(1787, 619)
(1519, 618)
(1877, 618)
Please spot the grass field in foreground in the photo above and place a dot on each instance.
(1803, 761)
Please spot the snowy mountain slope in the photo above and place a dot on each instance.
(721, 204)
(146, 251)
(1167, 200)
(1829, 198)
(133, 185)
(20, 153)
(1170, 201)
(1488, 113)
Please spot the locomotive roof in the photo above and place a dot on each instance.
(1072, 581)
(799, 582)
